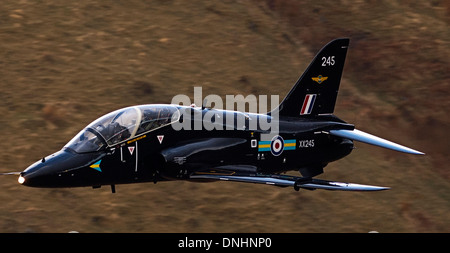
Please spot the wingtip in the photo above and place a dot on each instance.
(359, 187)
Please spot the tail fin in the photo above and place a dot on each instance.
(316, 90)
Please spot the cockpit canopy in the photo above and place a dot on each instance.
(122, 125)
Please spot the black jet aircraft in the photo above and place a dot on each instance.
(140, 143)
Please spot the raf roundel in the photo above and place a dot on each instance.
(277, 145)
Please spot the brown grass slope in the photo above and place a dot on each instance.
(63, 64)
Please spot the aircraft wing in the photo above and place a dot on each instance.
(285, 181)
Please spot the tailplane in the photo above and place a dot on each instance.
(316, 90)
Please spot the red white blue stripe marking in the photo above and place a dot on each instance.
(277, 145)
(308, 104)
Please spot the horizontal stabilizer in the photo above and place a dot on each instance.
(361, 136)
(296, 182)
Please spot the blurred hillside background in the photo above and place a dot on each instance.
(65, 63)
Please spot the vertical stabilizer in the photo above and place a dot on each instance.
(316, 90)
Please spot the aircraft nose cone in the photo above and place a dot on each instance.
(35, 175)
(45, 172)
(31, 179)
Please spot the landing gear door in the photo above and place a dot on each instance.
(129, 156)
